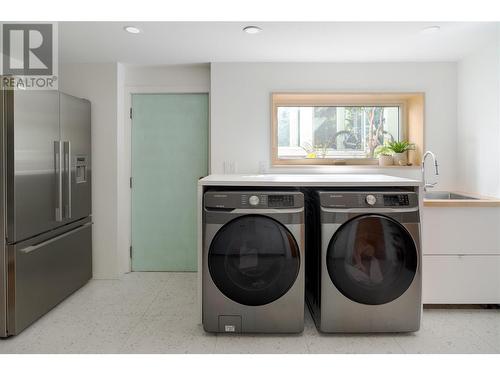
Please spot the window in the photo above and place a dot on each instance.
(335, 132)
(337, 128)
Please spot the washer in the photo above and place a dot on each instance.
(253, 261)
(364, 270)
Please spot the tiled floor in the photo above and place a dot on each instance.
(157, 313)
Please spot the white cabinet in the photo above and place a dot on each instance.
(461, 230)
(461, 255)
(457, 279)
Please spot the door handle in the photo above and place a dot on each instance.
(67, 171)
(58, 177)
(37, 246)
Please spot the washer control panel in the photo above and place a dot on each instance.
(389, 199)
(253, 200)
(392, 200)
(285, 200)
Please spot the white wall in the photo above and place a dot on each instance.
(173, 77)
(123, 186)
(240, 107)
(479, 120)
(98, 83)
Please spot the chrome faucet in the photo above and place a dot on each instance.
(430, 184)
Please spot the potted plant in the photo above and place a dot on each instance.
(384, 154)
(400, 149)
(312, 152)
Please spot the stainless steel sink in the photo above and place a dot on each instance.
(445, 195)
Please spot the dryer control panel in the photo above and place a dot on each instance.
(392, 200)
(379, 199)
(253, 199)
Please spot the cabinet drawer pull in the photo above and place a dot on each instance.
(37, 246)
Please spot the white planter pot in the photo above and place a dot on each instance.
(384, 160)
(400, 158)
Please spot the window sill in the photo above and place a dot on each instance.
(346, 166)
(332, 162)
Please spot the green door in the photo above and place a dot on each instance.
(169, 154)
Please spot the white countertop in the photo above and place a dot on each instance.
(305, 180)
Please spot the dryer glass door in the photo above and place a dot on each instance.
(254, 260)
(372, 259)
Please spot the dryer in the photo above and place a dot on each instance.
(253, 261)
(364, 260)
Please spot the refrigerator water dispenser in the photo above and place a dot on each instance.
(81, 169)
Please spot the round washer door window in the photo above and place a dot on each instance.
(372, 259)
(254, 260)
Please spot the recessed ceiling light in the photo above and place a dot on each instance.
(252, 29)
(430, 30)
(132, 29)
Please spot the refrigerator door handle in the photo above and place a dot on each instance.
(37, 246)
(67, 170)
(58, 175)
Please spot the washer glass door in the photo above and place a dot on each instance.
(372, 259)
(254, 260)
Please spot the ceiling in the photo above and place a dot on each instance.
(201, 42)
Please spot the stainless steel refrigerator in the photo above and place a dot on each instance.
(45, 203)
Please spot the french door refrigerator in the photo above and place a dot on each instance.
(45, 203)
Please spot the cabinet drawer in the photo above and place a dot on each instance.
(466, 279)
(461, 230)
(47, 273)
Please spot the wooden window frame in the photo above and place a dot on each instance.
(412, 118)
